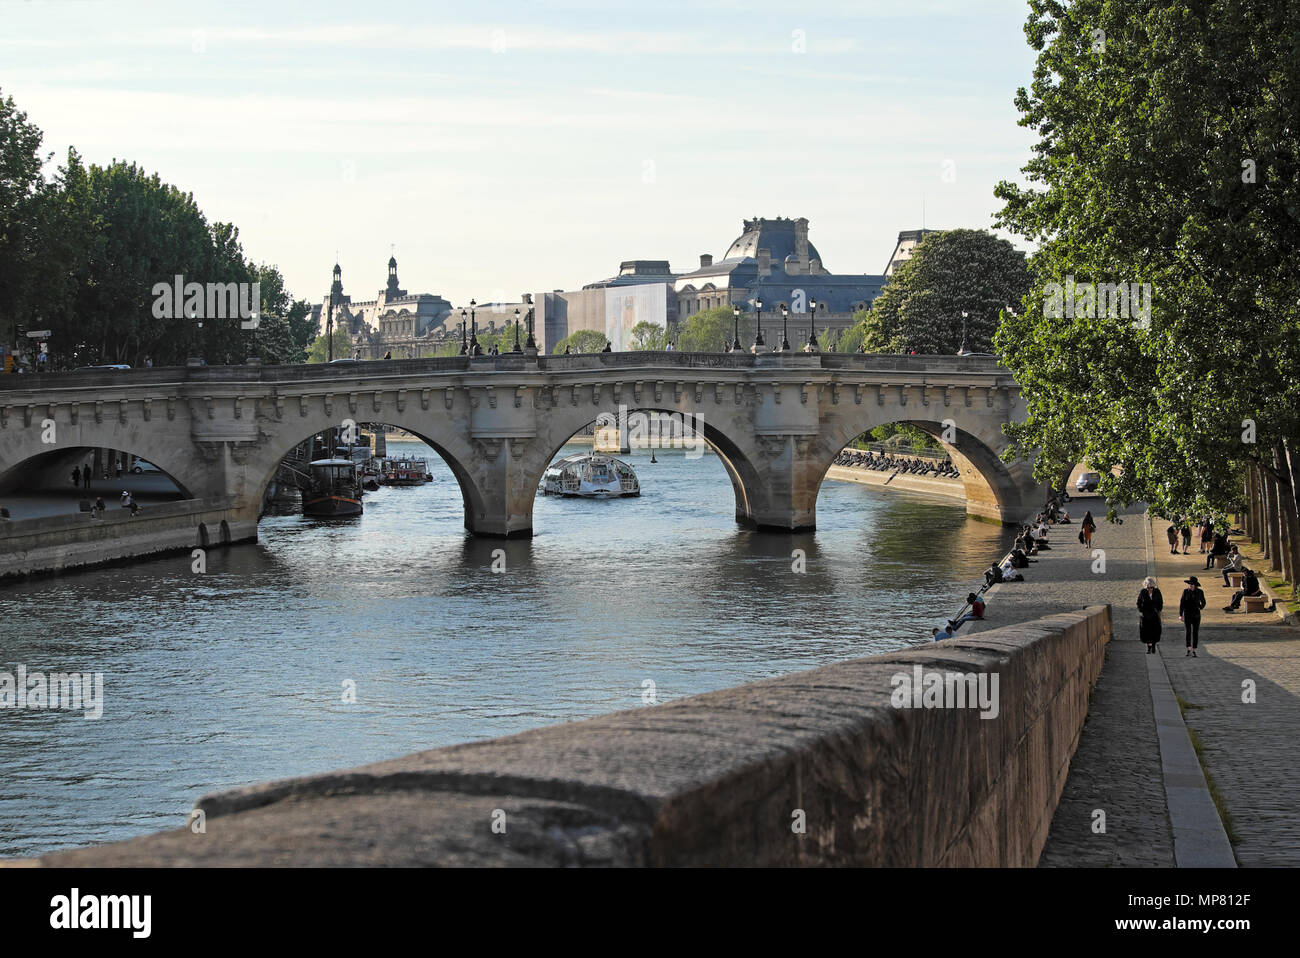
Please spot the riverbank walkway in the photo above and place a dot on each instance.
(1136, 795)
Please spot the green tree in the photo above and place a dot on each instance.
(708, 331)
(648, 336)
(1167, 155)
(23, 198)
(582, 341)
(319, 350)
(950, 272)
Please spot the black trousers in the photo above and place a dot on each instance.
(1193, 629)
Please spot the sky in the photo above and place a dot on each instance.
(502, 148)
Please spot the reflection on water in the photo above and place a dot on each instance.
(237, 676)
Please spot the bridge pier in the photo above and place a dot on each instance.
(783, 497)
(503, 488)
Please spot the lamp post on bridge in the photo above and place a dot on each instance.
(758, 339)
(735, 328)
(531, 343)
(811, 347)
(474, 348)
(518, 348)
(785, 328)
(464, 343)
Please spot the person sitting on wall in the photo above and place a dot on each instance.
(1249, 588)
(976, 611)
(945, 634)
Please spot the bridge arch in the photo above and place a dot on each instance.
(450, 445)
(567, 422)
(995, 490)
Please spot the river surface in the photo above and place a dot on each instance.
(239, 675)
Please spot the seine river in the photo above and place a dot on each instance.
(238, 675)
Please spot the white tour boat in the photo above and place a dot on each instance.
(591, 476)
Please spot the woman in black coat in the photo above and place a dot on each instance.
(1189, 612)
(1150, 602)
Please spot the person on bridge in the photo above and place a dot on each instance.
(1150, 603)
(1189, 613)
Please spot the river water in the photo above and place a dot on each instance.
(239, 675)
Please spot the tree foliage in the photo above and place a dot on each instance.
(82, 253)
(1167, 155)
(582, 341)
(949, 272)
(708, 331)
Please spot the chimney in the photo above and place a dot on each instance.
(764, 261)
(706, 259)
(814, 266)
(801, 243)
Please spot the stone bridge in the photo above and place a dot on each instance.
(776, 421)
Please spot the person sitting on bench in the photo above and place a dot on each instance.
(1249, 588)
(1234, 565)
(1219, 548)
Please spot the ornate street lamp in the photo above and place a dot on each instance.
(735, 328)
(474, 348)
(758, 340)
(785, 316)
(518, 348)
(531, 343)
(812, 327)
(464, 343)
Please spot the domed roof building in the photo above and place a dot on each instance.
(773, 261)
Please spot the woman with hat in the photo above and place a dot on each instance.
(1150, 602)
(1189, 613)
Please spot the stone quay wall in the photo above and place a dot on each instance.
(723, 778)
(54, 543)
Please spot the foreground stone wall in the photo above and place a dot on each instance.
(715, 779)
(56, 543)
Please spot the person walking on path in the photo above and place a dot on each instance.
(1207, 534)
(1187, 536)
(85, 475)
(1150, 603)
(1189, 613)
(1087, 527)
(1172, 534)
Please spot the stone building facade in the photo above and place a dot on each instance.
(407, 325)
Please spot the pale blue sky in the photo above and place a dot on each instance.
(511, 147)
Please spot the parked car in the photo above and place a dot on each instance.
(142, 466)
(1087, 481)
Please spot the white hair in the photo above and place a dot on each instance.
(1148, 583)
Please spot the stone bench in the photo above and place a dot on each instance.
(1234, 579)
(1221, 562)
(1256, 603)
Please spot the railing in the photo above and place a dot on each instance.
(505, 362)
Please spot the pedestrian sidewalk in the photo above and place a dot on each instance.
(1248, 747)
(1116, 780)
